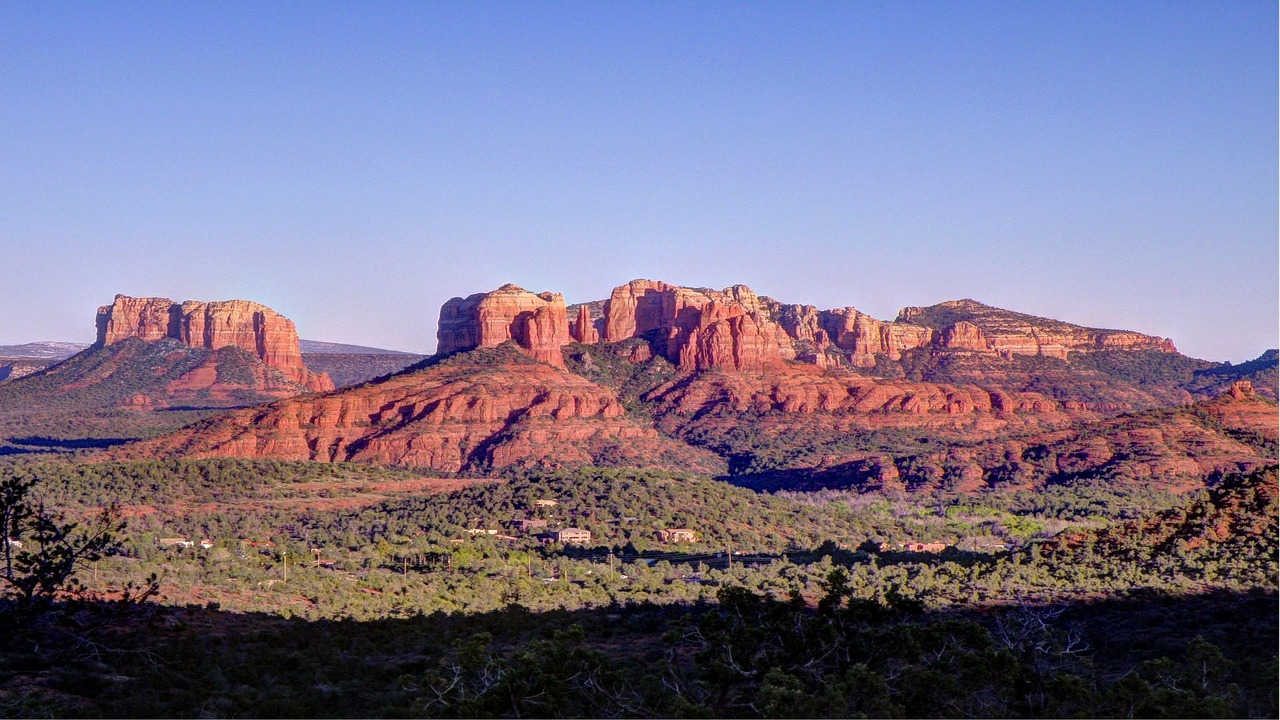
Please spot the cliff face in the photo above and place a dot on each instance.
(698, 329)
(717, 370)
(1011, 333)
(248, 326)
(680, 320)
(1169, 450)
(864, 337)
(734, 329)
(583, 328)
(538, 323)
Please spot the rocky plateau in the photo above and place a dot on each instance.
(153, 353)
(952, 396)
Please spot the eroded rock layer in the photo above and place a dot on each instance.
(734, 329)
(957, 396)
(469, 414)
(248, 326)
(1012, 333)
(537, 323)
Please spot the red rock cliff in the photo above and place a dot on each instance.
(250, 326)
(865, 337)
(538, 323)
(583, 328)
(1012, 333)
(698, 329)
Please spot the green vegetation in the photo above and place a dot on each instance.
(293, 589)
(85, 401)
(610, 365)
(39, 551)
(347, 369)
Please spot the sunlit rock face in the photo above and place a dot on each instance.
(539, 324)
(249, 326)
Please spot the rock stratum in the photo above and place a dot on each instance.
(735, 329)
(153, 353)
(249, 326)
(957, 396)
(492, 409)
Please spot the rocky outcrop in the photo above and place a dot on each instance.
(978, 439)
(964, 335)
(728, 338)
(802, 390)
(248, 326)
(453, 416)
(864, 337)
(698, 329)
(583, 328)
(705, 369)
(539, 324)
(1011, 333)
(734, 329)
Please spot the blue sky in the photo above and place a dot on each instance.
(354, 165)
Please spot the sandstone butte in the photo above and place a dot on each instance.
(767, 359)
(249, 326)
(735, 329)
(538, 323)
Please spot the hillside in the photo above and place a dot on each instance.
(46, 350)
(155, 366)
(474, 412)
(1178, 449)
(403, 598)
(352, 368)
(959, 396)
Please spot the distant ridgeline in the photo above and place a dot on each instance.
(958, 396)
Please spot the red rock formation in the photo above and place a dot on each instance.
(699, 329)
(673, 318)
(635, 309)
(727, 338)
(148, 319)
(802, 322)
(865, 337)
(583, 329)
(800, 389)
(449, 417)
(249, 326)
(964, 336)
(538, 323)
(1011, 333)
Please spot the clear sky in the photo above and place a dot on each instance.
(356, 164)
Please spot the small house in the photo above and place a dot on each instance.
(176, 542)
(677, 535)
(572, 536)
(546, 503)
(925, 547)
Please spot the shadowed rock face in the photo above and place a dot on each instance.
(249, 326)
